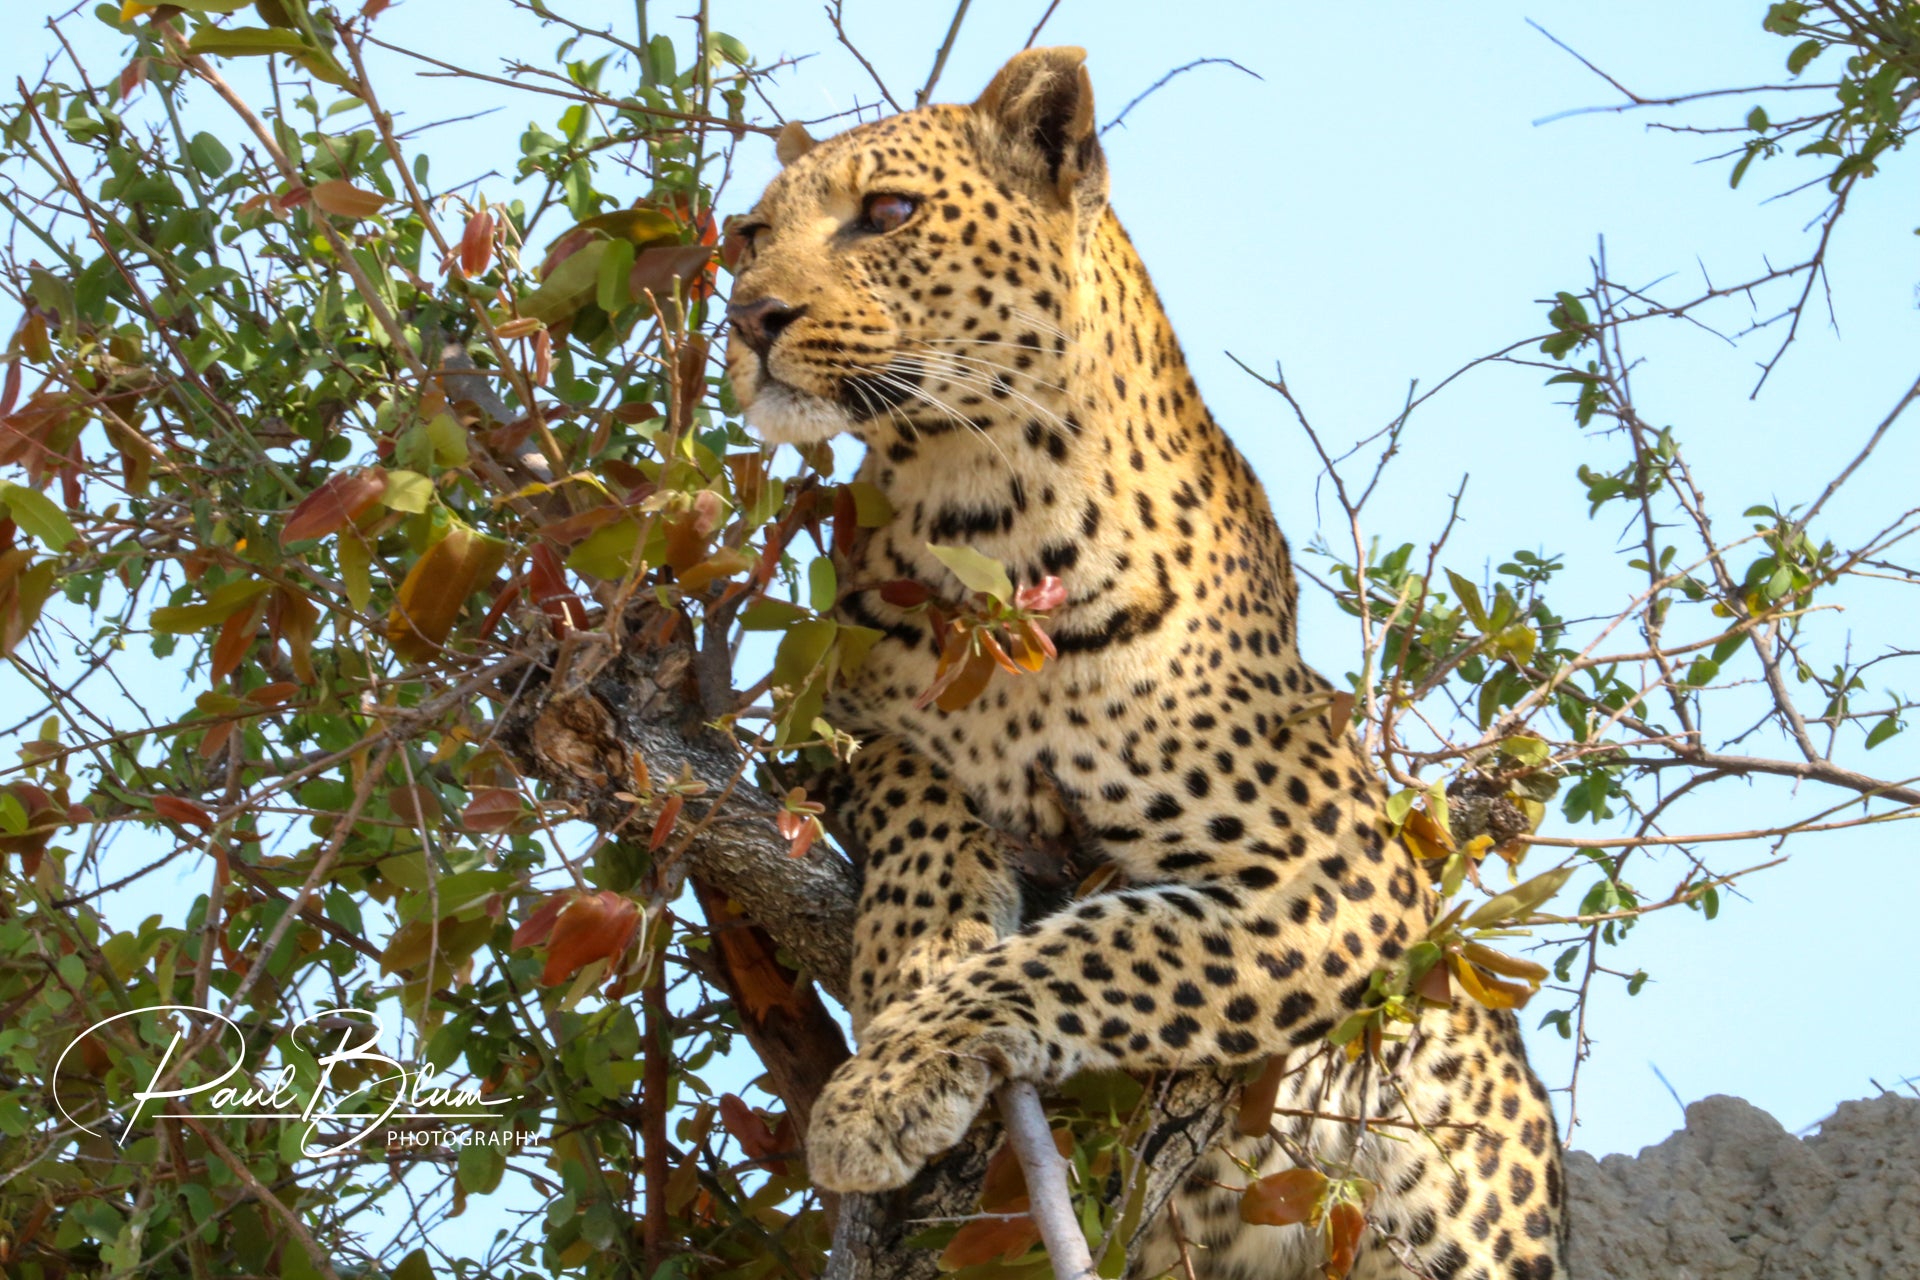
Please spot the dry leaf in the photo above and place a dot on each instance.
(1285, 1198)
(346, 200)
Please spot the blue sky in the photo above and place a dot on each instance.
(1379, 206)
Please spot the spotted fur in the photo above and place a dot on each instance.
(1002, 354)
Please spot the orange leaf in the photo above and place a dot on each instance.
(291, 617)
(436, 588)
(334, 505)
(1345, 1225)
(663, 825)
(348, 201)
(1284, 1198)
(1487, 989)
(990, 1239)
(1003, 1189)
(174, 809)
(1427, 838)
(519, 327)
(998, 654)
(1027, 654)
(476, 243)
(969, 684)
(272, 695)
(594, 926)
(215, 738)
(236, 637)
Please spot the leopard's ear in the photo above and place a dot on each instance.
(793, 142)
(1040, 108)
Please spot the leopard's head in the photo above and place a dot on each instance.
(918, 274)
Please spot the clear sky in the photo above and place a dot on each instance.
(1380, 206)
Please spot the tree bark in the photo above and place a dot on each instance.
(579, 716)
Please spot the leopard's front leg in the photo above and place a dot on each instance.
(1162, 976)
(937, 885)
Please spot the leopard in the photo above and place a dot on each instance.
(950, 288)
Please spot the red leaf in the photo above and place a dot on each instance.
(905, 593)
(186, 812)
(1043, 596)
(416, 805)
(748, 1127)
(1284, 1198)
(132, 76)
(492, 809)
(334, 505)
(538, 927)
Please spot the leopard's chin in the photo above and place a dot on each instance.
(784, 414)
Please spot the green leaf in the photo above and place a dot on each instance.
(855, 644)
(607, 552)
(729, 48)
(1882, 731)
(449, 440)
(977, 572)
(1757, 119)
(246, 42)
(1521, 900)
(1525, 749)
(223, 603)
(801, 650)
(823, 585)
(610, 285)
(209, 155)
(769, 614)
(870, 506)
(1400, 804)
(1803, 53)
(415, 1266)
(568, 287)
(407, 491)
(36, 513)
(638, 227)
(356, 561)
(1469, 596)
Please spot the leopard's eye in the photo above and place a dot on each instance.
(883, 213)
(741, 239)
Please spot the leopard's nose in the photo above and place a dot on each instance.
(761, 321)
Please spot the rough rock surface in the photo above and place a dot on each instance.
(1733, 1196)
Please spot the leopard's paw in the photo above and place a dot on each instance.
(882, 1117)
